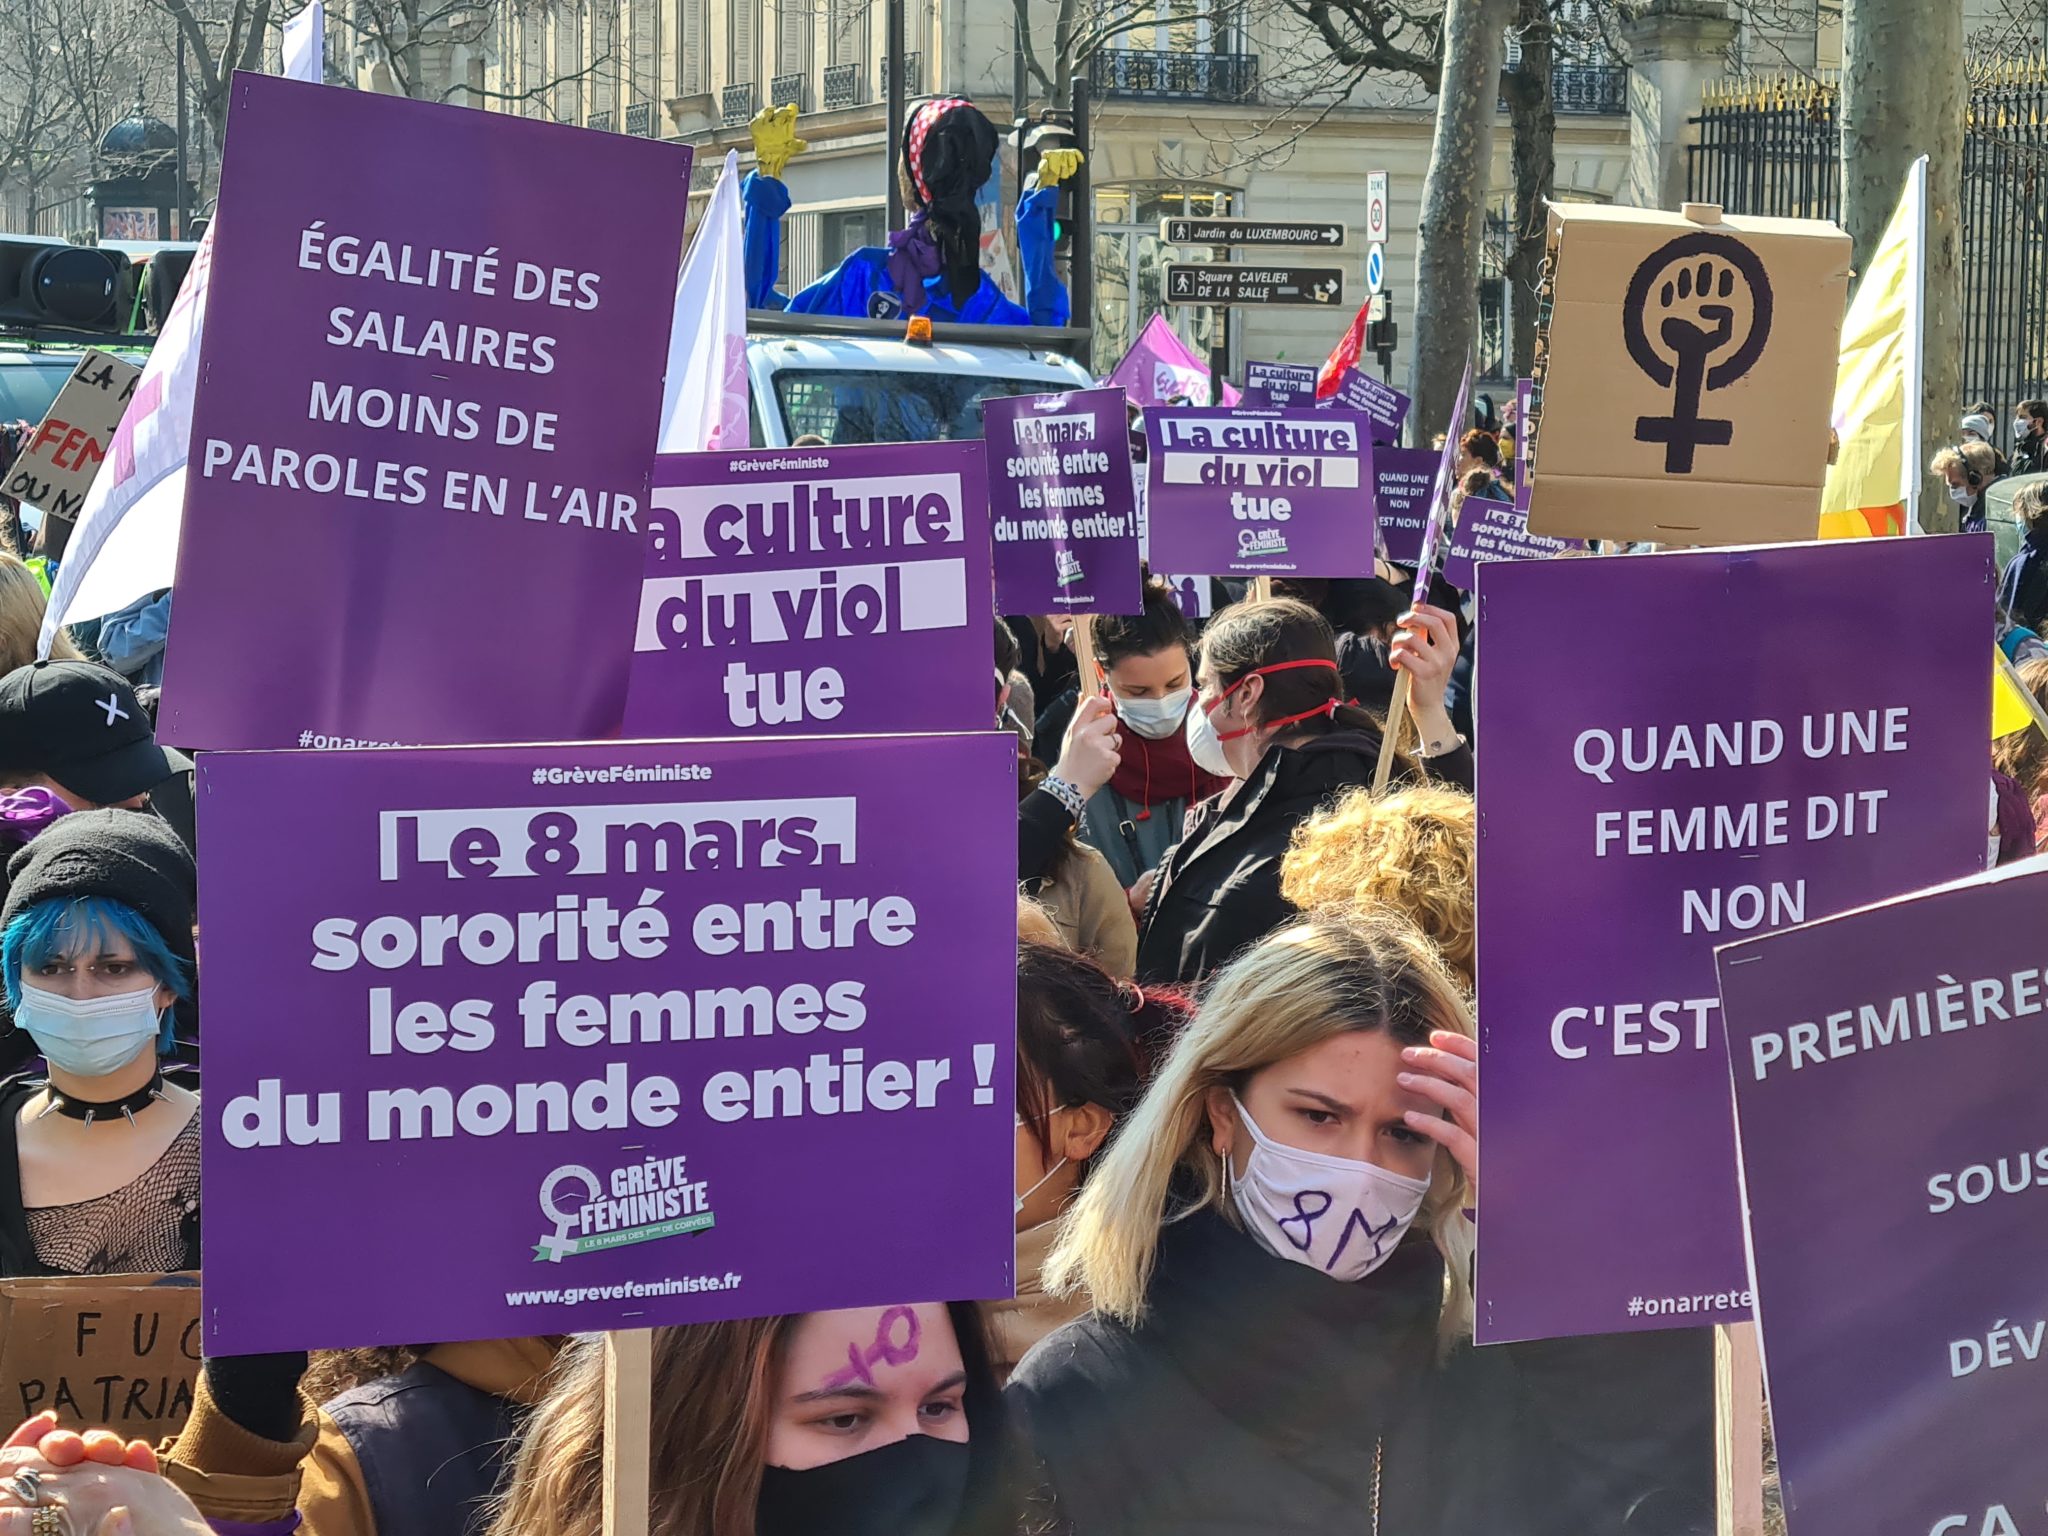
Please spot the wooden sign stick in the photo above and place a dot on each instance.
(1089, 677)
(1738, 1431)
(1262, 589)
(628, 1430)
(1397, 721)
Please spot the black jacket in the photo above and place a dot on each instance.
(2023, 591)
(2029, 455)
(1258, 1395)
(431, 1449)
(1219, 888)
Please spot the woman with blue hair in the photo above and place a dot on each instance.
(99, 1160)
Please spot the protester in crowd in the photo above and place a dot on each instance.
(1015, 707)
(1148, 661)
(1365, 614)
(2023, 591)
(99, 1163)
(875, 1421)
(1046, 817)
(1413, 852)
(2022, 756)
(1478, 453)
(405, 1441)
(131, 639)
(1034, 927)
(79, 731)
(1045, 648)
(2030, 437)
(21, 618)
(1270, 715)
(94, 1484)
(932, 268)
(1967, 470)
(1083, 1041)
(1278, 1255)
(1081, 893)
(1979, 426)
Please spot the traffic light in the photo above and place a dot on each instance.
(47, 285)
(1054, 130)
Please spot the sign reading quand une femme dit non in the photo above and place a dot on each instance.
(423, 426)
(626, 1017)
(1062, 504)
(806, 591)
(1647, 803)
(1893, 1058)
(1260, 493)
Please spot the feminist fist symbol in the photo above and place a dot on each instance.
(1695, 289)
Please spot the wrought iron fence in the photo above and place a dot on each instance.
(787, 91)
(601, 121)
(736, 105)
(913, 73)
(1175, 74)
(1774, 147)
(640, 119)
(1589, 90)
(843, 84)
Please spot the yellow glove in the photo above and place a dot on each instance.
(1056, 165)
(775, 140)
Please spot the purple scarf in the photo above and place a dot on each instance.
(25, 812)
(913, 257)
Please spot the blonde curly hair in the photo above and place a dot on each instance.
(1413, 851)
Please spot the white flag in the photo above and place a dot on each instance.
(305, 45)
(125, 545)
(704, 391)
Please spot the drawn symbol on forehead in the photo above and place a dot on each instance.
(895, 1343)
(1701, 299)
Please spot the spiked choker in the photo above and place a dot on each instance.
(89, 1111)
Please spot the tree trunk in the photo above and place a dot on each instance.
(1897, 104)
(1533, 117)
(1454, 207)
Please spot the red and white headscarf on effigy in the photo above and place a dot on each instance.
(922, 121)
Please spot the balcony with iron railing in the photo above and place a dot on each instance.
(1589, 90)
(913, 74)
(1175, 75)
(787, 90)
(640, 119)
(845, 85)
(601, 121)
(736, 105)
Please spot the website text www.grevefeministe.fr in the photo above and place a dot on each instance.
(625, 1290)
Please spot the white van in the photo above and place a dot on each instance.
(859, 381)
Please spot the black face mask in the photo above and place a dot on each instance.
(912, 1488)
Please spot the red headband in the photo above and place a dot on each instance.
(922, 121)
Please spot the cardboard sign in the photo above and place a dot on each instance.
(798, 591)
(1638, 805)
(427, 406)
(1062, 504)
(1260, 493)
(1402, 481)
(608, 1036)
(117, 1352)
(1893, 1058)
(57, 463)
(1494, 530)
(1688, 374)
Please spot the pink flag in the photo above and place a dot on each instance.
(1160, 367)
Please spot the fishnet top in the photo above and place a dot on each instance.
(146, 1227)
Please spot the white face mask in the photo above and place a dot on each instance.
(1055, 1168)
(1961, 495)
(2023, 427)
(1155, 719)
(1343, 1218)
(89, 1036)
(1203, 746)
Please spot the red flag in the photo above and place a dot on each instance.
(1350, 346)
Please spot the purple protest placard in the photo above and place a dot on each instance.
(417, 494)
(1379, 402)
(1641, 802)
(1402, 479)
(613, 1015)
(1888, 1069)
(1260, 493)
(1062, 506)
(794, 591)
(1279, 385)
(1494, 530)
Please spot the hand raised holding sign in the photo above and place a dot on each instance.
(1088, 755)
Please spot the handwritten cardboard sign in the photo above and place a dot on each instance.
(62, 455)
(117, 1352)
(1688, 375)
